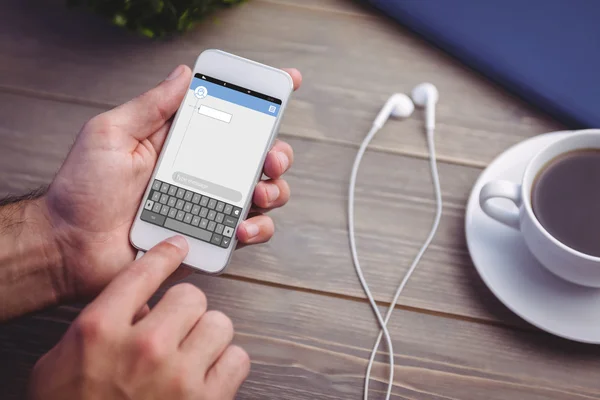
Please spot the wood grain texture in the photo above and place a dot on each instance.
(351, 65)
(307, 346)
(394, 211)
(296, 303)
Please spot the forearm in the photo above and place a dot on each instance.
(30, 262)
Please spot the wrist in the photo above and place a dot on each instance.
(31, 267)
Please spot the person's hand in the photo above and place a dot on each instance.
(118, 349)
(94, 197)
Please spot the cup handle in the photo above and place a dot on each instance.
(506, 190)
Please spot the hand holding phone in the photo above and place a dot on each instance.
(178, 350)
(213, 158)
(93, 200)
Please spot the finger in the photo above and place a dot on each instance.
(258, 229)
(132, 288)
(271, 194)
(296, 76)
(175, 314)
(229, 372)
(142, 312)
(147, 113)
(279, 159)
(208, 339)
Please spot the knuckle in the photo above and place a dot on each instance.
(92, 327)
(285, 189)
(151, 348)
(158, 112)
(180, 386)
(240, 358)
(218, 321)
(189, 294)
(100, 124)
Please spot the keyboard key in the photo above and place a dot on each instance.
(228, 209)
(216, 239)
(196, 198)
(188, 230)
(149, 204)
(187, 207)
(164, 188)
(164, 210)
(153, 218)
(212, 203)
(164, 199)
(204, 212)
(172, 190)
(237, 212)
(219, 229)
(203, 223)
(211, 215)
(172, 212)
(195, 221)
(219, 217)
(180, 215)
(155, 196)
(157, 207)
(204, 201)
(172, 201)
(180, 204)
(225, 242)
(228, 231)
(230, 221)
(211, 226)
(188, 196)
(180, 193)
(188, 218)
(220, 206)
(195, 210)
(156, 185)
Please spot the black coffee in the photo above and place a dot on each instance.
(566, 200)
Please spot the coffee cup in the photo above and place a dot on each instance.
(559, 258)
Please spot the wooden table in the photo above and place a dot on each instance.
(296, 302)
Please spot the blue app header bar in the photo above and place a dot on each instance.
(233, 96)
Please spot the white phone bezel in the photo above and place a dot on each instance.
(241, 72)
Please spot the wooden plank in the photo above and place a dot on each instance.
(394, 211)
(306, 346)
(351, 64)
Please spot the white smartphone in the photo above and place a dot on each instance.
(213, 157)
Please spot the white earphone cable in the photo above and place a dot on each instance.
(383, 324)
(361, 278)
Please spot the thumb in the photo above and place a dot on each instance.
(148, 112)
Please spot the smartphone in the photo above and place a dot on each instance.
(212, 159)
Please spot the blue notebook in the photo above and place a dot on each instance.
(545, 51)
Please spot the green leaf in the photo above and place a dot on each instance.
(154, 18)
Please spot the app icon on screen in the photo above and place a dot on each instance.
(201, 92)
(272, 109)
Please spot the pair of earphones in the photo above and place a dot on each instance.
(424, 95)
(399, 105)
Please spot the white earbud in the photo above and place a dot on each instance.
(426, 95)
(399, 106)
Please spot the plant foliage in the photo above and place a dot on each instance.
(154, 18)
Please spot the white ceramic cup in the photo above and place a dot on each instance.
(562, 260)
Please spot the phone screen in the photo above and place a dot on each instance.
(209, 165)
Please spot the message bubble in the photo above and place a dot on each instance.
(206, 186)
(214, 113)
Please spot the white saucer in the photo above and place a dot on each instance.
(512, 273)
